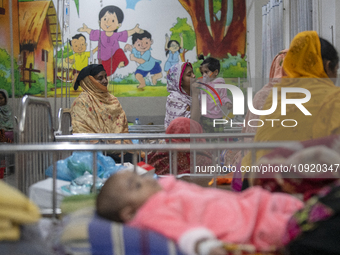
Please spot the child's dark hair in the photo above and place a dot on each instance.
(4, 95)
(109, 203)
(112, 9)
(169, 44)
(77, 36)
(137, 36)
(328, 52)
(213, 63)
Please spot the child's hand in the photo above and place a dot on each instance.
(218, 251)
(128, 47)
(210, 247)
(132, 57)
(138, 30)
(194, 88)
(229, 106)
(84, 29)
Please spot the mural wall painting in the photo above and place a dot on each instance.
(137, 41)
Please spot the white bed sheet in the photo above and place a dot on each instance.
(41, 192)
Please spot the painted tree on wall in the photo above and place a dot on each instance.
(182, 27)
(220, 26)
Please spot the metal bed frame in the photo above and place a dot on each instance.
(27, 152)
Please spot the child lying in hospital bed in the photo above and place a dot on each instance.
(198, 219)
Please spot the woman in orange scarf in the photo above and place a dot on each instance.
(311, 63)
(95, 110)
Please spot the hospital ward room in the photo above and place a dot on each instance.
(177, 127)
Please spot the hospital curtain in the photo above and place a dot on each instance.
(303, 15)
(272, 33)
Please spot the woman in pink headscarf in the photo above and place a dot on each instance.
(183, 98)
(160, 160)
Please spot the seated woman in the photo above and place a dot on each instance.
(6, 121)
(95, 110)
(160, 160)
(183, 99)
(311, 58)
(316, 61)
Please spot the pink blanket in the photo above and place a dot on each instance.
(186, 213)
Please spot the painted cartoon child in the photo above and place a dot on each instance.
(141, 53)
(80, 58)
(111, 55)
(173, 49)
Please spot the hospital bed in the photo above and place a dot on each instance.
(38, 148)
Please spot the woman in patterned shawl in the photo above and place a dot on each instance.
(183, 99)
(95, 110)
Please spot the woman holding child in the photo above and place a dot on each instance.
(183, 99)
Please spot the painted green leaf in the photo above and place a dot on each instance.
(77, 5)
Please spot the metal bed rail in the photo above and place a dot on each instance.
(146, 138)
(146, 129)
(64, 123)
(53, 149)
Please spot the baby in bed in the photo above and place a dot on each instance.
(198, 219)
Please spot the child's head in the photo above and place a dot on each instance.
(210, 67)
(142, 42)
(78, 43)
(173, 46)
(123, 194)
(3, 98)
(111, 18)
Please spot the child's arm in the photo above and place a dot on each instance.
(95, 50)
(146, 56)
(167, 38)
(70, 60)
(136, 29)
(128, 47)
(85, 29)
(181, 43)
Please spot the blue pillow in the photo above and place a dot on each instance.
(108, 238)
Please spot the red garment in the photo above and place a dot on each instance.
(5, 136)
(160, 160)
(118, 57)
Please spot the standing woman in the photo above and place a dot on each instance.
(95, 110)
(6, 121)
(183, 98)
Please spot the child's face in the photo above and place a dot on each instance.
(136, 189)
(79, 45)
(143, 45)
(109, 22)
(174, 47)
(187, 76)
(206, 72)
(2, 100)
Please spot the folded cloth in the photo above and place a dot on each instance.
(15, 209)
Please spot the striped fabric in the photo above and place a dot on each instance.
(85, 233)
(109, 238)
